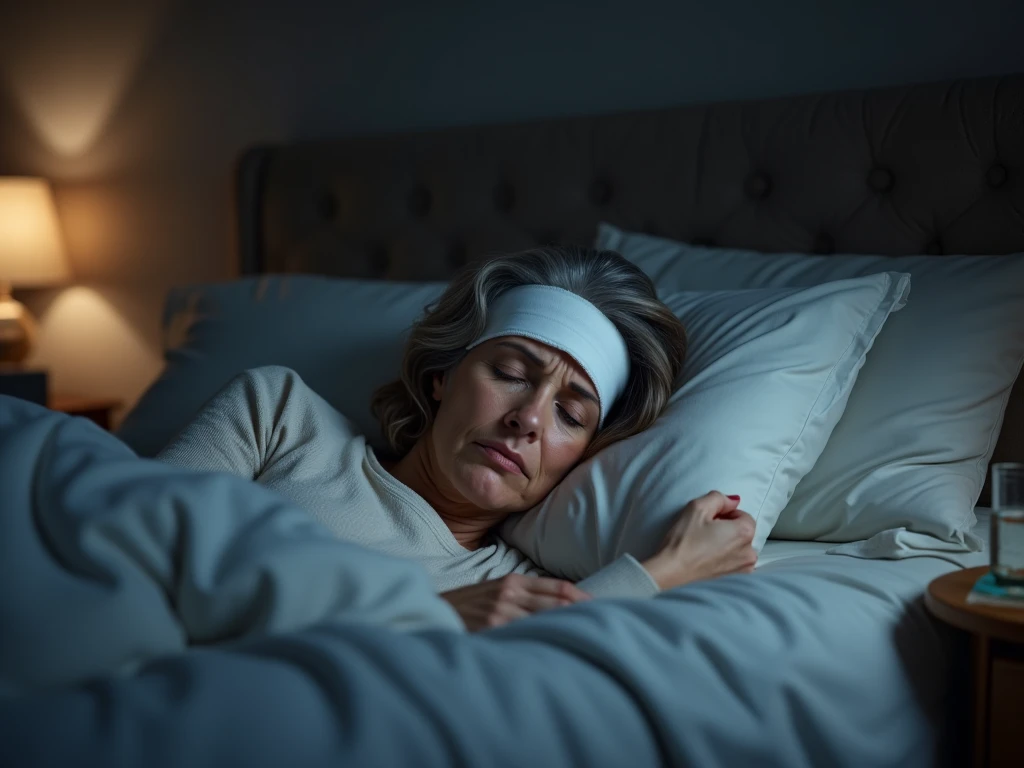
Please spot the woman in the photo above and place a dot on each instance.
(526, 365)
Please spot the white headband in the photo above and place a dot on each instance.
(567, 322)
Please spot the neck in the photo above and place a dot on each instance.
(5, 289)
(419, 470)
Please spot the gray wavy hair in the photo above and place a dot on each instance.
(654, 336)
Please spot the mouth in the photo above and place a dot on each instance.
(503, 456)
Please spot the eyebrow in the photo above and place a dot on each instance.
(577, 388)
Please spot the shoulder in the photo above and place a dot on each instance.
(269, 383)
(284, 397)
(278, 376)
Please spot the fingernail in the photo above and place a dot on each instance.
(734, 498)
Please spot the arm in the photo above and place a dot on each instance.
(530, 589)
(710, 538)
(624, 577)
(254, 421)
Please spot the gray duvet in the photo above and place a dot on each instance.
(150, 616)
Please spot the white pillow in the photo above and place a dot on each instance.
(767, 377)
(908, 460)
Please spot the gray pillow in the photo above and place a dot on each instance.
(344, 337)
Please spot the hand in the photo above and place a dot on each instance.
(497, 602)
(710, 538)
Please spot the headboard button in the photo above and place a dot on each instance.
(420, 201)
(881, 179)
(758, 186)
(327, 206)
(996, 175)
(600, 191)
(504, 197)
(934, 248)
(824, 244)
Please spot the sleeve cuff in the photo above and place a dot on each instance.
(624, 577)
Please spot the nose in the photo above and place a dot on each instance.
(527, 418)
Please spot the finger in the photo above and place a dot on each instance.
(715, 503)
(536, 603)
(752, 555)
(741, 522)
(556, 588)
(746, 525)
(489, 615)
(504, 612)
(475, 619)
(745, 560)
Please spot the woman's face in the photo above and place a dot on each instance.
(515, 416)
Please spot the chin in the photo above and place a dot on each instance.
(486, 489)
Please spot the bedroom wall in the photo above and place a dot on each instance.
(137, 108)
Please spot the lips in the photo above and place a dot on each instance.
(504, 456)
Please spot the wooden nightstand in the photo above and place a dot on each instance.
(997, 666)
(98, 409)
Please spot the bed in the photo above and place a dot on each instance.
(816, 659)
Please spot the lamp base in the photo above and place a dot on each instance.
(17, 330)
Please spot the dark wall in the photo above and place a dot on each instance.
(137, 109)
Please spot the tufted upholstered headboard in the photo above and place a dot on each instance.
(935, 169)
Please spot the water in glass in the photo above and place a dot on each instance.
(1007, 542)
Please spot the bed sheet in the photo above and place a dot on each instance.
(776, 550)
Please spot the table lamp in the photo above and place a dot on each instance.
(31, 255)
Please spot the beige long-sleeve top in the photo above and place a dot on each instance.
(269, 426)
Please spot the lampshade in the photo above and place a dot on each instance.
(31, 247)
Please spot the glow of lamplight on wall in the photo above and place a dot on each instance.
(68, 66)
(94, 227)
(97, 349)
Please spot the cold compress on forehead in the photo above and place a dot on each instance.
(567, 322)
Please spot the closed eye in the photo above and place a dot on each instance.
(568, 419)
(505, 376)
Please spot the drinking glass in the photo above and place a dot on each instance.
(1007, 554)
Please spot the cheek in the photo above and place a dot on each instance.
(469, 403)
(561, 454)
(480, 401)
